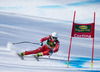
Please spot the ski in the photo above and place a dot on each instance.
(20, 56)
(36, 58)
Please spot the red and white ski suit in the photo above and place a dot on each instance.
(50, 45)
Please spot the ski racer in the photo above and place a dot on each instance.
(51, 46)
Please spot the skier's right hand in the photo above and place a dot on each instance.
(41, 43)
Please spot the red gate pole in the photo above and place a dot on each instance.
(70, 41)
(74, 17)
(93, 44)
(92, 53)
(69, 52)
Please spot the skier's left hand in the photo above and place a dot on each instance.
(51, 52)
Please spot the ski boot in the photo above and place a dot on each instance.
(21, 55)
(37, 56)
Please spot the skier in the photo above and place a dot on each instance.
(51, 46)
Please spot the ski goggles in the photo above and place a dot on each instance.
(54, 38)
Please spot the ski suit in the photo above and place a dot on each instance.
(45, 49)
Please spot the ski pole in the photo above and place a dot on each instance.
(49, 55)
(25, 42)
(50, 52)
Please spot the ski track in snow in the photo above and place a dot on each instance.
(12, 62)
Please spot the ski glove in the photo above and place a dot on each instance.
(50, 52)
(41, 43)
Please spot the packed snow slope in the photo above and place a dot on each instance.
(31, 20)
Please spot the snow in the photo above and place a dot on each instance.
(30, 20)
